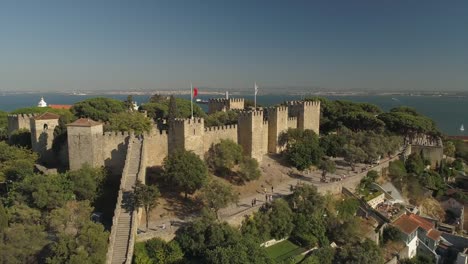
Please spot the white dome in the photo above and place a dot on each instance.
(42, 103)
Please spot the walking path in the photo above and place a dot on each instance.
(235, 214)
(121, 242)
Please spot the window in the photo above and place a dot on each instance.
(45, 127)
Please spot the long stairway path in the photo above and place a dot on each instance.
(121, 244)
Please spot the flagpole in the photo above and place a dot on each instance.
(255, 95)
(191, 99)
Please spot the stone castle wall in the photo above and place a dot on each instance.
(20, 121)
(257, 132)
(42, 137)
(157, 147)
(213, 135)
(114, 150)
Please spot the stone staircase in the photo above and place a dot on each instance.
(121, 242)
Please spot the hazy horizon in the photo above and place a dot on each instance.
(391, 46)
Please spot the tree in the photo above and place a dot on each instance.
(222, 118)
(449, 149)
(185, 170)
(249, 169)
(216, 195)
(332, 144)
(22, 243)
(146, 196)
(3, 218)
(158, 251)
(223, 156)
(415, 164)
(303, 152)
(327, 166)
(392, 233)
(3, 125)
(15, 162)
(129, 121)
(129, 103)
(353, 155)
(347, 208)
(366, 252)
(281, 219)
(21, 138)
(86, 182)
(98, 108)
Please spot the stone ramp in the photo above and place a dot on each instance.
(120, 248)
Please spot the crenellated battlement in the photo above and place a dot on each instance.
(249, 113)
(22, 115)
(277, 109)
(195, 120)
(217, 100)
(292, 119)
(236, 100)
(220, 128)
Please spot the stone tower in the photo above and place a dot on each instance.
(250, 133)
(42, 135)
(277, 124)
(188, 134)
(307, 113)
(225, 104)
(85, 143)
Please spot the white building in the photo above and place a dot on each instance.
(42, 103)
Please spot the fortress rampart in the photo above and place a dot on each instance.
(257, 131)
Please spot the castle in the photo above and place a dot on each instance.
(257, 131)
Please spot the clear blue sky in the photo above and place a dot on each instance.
(375, 44)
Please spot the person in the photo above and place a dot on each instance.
(266, 197)
(272, 188)
(255, 201)
(163, 226)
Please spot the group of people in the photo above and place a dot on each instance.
(268, 197)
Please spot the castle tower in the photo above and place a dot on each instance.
(225, 104)
(188, 134)
(85, 143)
(250, 133)
(42, 135)
(277, 124)
(307, 113)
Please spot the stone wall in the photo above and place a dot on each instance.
(292, 122)
(213, 135)
(432, 153)
(42, 137)
(307, 113)
(277, 124)
(251, 133)
(157, 147)
(114, 150)
(20, 121)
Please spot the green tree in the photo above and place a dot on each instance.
(21, 138)
(327, 166)
(281, 219)
(129, 121)
(353, 155)
(347, 208)
(449, 149)
(302, 155)
(415, 164)
(160, 252)
(86, 182)
(392, 233)
(324, 254)
(185, 170)
(22, 243)
(3, 218)
(3, 125)
(222, 118)
(98, 108)
(216, 195)
(366, 252)
(249, 169)
(129, 103)
(332, 144)
(146, 196)
(223, 156)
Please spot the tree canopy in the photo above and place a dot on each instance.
(99, 108)
(302, 148)
(145, 196)
(216, 195)
(129, 122)
(185, 170)
(159, 109)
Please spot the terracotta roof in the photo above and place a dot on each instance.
(85, 122)
(47, 116)
(409, 223)
(60, 106)
(434, 234)
(405, 224)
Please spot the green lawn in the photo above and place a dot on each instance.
(284, 250)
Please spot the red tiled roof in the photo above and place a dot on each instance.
(405, 224)
(434, 234)
(409, 223)
(85, 122)
(47, 116)
(60, 106)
